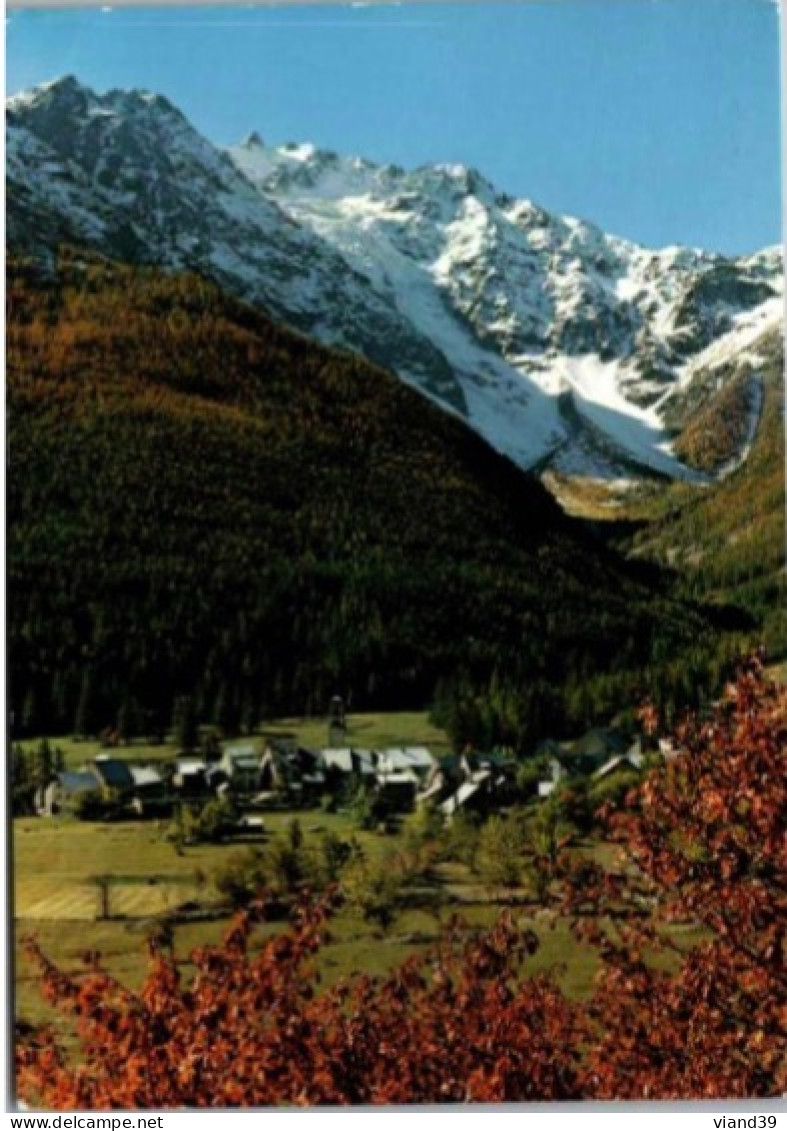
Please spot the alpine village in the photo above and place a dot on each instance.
(396, 631)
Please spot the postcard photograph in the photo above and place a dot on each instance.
(396, 635)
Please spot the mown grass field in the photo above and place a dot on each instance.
(66, 854)
(56, 900)
(56, 862)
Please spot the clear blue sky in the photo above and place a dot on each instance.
(656, 119)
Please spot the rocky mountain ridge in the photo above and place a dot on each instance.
(566, 348)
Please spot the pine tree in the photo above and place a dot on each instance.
(128, 720)
(43, 764)
(30, 714)
(84, 719)
(184, 723)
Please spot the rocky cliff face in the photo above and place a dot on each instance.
(127, 174)
(565, 347)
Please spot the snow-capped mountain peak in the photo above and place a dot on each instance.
(559, 343)
(527, 302)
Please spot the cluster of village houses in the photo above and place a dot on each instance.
(279, 773)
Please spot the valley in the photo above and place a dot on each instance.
(291, 432)
(206, 504)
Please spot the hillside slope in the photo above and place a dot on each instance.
(203, 502)
(727, 543)
(560, 344)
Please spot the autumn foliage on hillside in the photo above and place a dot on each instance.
(704, 841)
(203, 503)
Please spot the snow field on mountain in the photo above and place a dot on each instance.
(560, 343)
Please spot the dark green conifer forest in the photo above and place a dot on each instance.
(204, 504)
